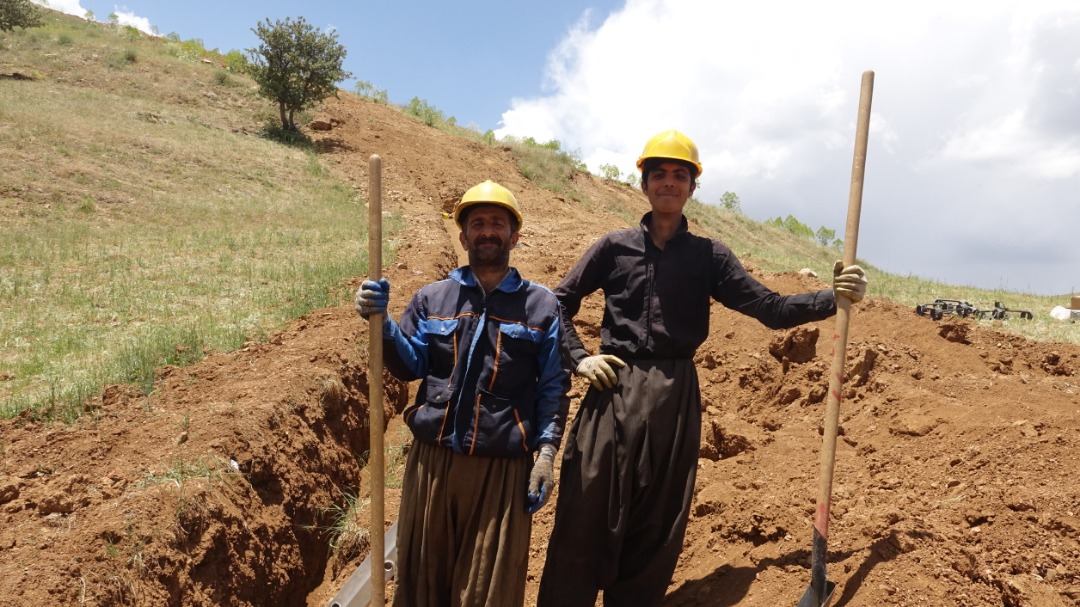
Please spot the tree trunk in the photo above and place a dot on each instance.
(285, 120)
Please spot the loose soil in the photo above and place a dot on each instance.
(954, 469)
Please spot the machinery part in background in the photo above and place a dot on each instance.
(1063, 313)
(1071, 314)
(939, 308)
(1000, 312)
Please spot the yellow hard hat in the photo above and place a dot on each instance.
(489, 192)
(671, 144)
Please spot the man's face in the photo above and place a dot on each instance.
(668, 186)
(487, 236)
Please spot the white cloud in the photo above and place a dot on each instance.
(126, 17)
(1010, 141)
(68, 7)
(974, 106)
(123, 15)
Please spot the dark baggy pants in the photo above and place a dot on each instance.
(625, 489)
(463, 534)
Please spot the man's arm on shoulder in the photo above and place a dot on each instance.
(552, 387)
(582, 280)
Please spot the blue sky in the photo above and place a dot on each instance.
(973, 171)
(465, 57)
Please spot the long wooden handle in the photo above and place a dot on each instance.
(375, 396)
(843, 310)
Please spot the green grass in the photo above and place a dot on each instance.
(348, 537)
(396, 456)
(182, 470)
(188, 479)
(150, 226)
(544, 164)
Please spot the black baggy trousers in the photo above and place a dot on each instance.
(625, 489)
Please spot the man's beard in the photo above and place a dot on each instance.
(493, 257)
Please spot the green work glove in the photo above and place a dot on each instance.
(597, 369)
(541, 479)
(849, 281)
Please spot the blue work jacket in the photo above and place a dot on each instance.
(495, 380)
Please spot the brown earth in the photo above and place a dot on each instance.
(953, 484)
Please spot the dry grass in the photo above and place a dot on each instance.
(146, 217)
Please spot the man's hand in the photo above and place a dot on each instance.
(372, 297)
(542, 478)
(597, 369)
(849, 281)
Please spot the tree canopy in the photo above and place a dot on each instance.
(18, 13)
(730, 201)
(296, 65)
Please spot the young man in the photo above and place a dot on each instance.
(487, 345)
(627, 477)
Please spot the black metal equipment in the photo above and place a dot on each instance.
(939, 308)
(1000, 312)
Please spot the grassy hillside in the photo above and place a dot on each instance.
(148, 219)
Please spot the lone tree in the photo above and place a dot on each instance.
(296, 65)
(18, 13)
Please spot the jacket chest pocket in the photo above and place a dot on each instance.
(519, 346)
(442, 340)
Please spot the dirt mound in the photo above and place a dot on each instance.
(953, 472)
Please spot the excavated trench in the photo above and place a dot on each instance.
(339, 562)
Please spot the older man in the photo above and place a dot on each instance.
(486, 344)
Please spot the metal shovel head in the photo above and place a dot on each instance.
(817, 597)
(821, 589)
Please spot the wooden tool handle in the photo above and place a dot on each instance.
(377, 424)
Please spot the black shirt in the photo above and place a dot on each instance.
(656, 301)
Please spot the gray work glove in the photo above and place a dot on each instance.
(372, 297)
(849, 281)
(542, 478)
(597, 369)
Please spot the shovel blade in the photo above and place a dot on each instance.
(820, 589)
(816, 596)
